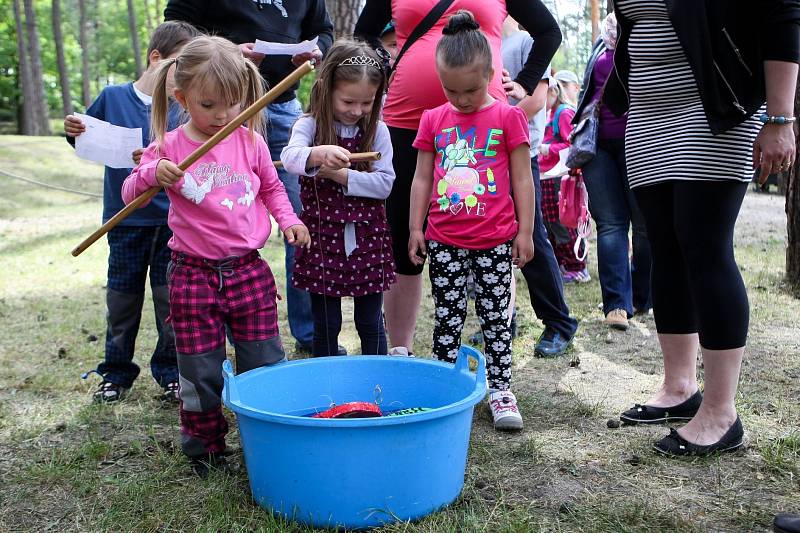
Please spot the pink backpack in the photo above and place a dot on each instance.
(573, 210)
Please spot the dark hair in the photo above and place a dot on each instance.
(463, 42)
(347, 61)
(169, 36)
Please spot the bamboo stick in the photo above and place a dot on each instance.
(354, 158)
(256, 107)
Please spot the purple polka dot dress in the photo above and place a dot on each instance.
(325, 268)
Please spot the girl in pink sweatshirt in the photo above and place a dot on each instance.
(561, 110)
(219, 215)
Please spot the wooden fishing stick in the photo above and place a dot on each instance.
(256, 107)
(354, 158)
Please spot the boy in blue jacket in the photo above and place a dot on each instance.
(139, 242)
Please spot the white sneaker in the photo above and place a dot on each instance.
(400, 351)
(503, 405)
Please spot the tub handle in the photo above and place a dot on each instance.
(462, 363)
(230, 392)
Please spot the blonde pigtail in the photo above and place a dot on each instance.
(159, 112)
(254, 91)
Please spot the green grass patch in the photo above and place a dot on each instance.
(67, 464)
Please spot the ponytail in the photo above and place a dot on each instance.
(254, 89)
(159, 110)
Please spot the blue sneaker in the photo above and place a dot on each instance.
(551, 344)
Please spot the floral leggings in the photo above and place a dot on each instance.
(491, 269)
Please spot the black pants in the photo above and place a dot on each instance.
(367, 314)
(545, 286)
(696, 284)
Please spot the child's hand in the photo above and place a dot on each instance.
(298, 235)
(416, 247)
(333, 157)
(73, 126)
(137, 155)
(544, 149)
(522, 249)
(339, 176)
(168, 173)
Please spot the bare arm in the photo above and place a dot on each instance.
(421, 189)
(524, 204)
(535, 102)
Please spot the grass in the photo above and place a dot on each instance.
(69, 465)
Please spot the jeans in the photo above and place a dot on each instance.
(624, 283)
(366, 315)
(542, 275)
(280, 119)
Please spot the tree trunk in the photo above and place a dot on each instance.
(35, 60)
(344, 14)
(148, 18)
(595, 20)
(159, 13)
(27, 118)
(63, 74)
(137, 50)
(83, 39)
(793, 211)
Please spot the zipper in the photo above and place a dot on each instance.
(733, 94)
(614, 63)
(736, 50)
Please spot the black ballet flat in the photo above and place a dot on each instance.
(648, 414)
(676, 446)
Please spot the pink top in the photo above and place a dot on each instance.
(557, 143)
(220, 206)
(471, 205)
(416, 86)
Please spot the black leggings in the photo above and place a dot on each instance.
(696, 284)
(367, 314)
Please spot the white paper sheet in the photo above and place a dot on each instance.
(106, 143)
(278, 49)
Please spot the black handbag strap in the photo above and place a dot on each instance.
(421, 29)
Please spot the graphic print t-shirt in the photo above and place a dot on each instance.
(471, 205)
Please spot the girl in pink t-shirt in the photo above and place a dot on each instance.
(474, 154)
(219, 216)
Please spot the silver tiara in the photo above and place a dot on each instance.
(360, 61)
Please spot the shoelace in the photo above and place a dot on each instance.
(504, 404)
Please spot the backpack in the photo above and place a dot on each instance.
(573, 210)
(556, 115)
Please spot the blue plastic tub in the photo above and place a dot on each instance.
(356, 473)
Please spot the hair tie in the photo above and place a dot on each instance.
(359, 61)
(457, 26)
